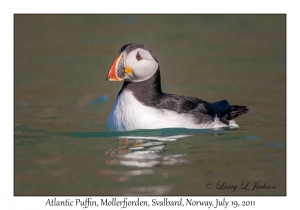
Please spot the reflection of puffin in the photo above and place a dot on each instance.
(141, 104)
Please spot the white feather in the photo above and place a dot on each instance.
(130, 114)
(143, 69)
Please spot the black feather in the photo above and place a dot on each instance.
(233, 112)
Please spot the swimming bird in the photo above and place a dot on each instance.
(141, 104)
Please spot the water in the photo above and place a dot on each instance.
(62, 101)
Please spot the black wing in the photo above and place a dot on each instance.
(201, 110)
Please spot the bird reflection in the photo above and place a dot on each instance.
(144, 152)
(140, 155)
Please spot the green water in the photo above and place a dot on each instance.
(62, 101)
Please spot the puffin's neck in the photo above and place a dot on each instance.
(147, 91)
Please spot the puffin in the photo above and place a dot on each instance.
(141, 104)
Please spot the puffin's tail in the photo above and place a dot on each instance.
(233, 112)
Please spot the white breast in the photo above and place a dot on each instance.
(130, 114)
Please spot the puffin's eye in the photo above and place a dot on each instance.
(138, 56)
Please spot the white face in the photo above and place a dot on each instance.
(142, 64)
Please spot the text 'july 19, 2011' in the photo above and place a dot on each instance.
(124, 203)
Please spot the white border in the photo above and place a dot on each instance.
(8, 8)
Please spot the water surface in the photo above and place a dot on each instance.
(62, 101)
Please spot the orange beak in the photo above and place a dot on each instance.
(115, 69)
(112, 74)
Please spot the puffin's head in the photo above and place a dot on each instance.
(135, 63)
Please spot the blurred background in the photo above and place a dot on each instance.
(62, 101)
